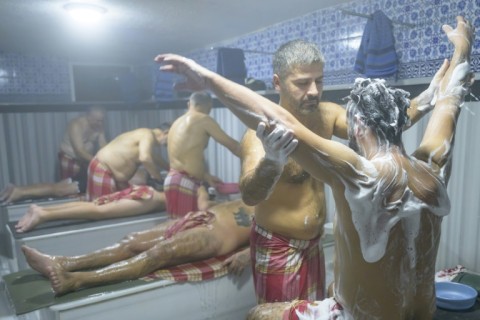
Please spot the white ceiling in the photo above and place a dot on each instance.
(136, 30)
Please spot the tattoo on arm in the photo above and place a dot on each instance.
(243, 218)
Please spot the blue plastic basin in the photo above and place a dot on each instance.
(455, 296)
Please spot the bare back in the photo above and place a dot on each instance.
(387, 235)
(89, 138)
(121, 155)
(187, 141)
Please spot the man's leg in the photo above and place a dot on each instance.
(6, 192)
(58, 189)
(89, 210)
(130, 246)
(187, 246)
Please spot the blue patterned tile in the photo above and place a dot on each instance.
(420, 49)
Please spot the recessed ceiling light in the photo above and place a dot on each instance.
(85, 12)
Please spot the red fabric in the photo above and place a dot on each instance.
(69, 167)
(190, 220)
(286, 269)
(291, 314)
(328, 309)
(181, 193)
(134, 193)
(194, 271)
(100, 181)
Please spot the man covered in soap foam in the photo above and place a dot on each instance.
(389, 205)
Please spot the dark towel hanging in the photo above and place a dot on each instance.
(231, 64)
(376, 57)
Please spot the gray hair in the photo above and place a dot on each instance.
(295, 53)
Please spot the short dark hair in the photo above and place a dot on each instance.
(382, 109)
(201, 98)
(164, 126)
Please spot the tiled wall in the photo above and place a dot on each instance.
(421, 45)
(25, 78)
(420, 48)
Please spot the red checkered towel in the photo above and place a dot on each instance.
(181, 193)
(449, 273)
(133, 192)
(69, 167)
(195, 271)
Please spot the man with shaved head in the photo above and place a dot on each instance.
(188, 138)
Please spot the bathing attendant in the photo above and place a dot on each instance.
(389, 205)
(116, 163)
(290, 205)
(188, 138)
(83, 135)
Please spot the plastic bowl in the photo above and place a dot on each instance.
(455, 296)
(228, 188)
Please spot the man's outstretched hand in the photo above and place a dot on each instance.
(195, 74)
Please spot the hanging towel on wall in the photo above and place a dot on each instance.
(376, 56)
(231, 64)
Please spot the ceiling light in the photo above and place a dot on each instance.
(85, 12)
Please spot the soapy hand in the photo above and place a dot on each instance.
(462, 35)
(427, 99)
(278, 144)
(461, 78)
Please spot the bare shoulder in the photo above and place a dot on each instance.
(334, 115)
(78, 124)
(426, 184)
(331, 108)
(250, 144)
(143, 131)
(205, 118)
(249, 137)
(78, 121)
(199, 120)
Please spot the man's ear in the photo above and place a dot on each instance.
(276, 82)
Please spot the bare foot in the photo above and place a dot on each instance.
(31, 219)
(6, 192)
(40, 262)
(62, 281)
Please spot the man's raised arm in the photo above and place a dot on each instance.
(316, 155)
(437, 144)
